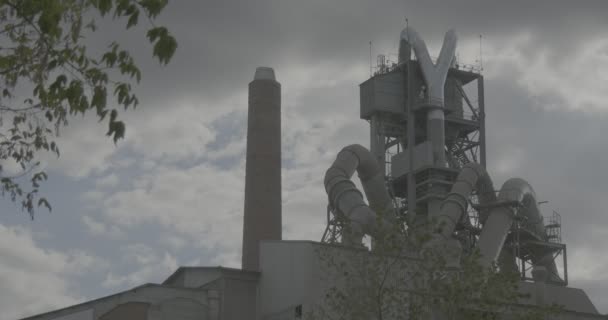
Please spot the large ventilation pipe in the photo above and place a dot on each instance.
(262, 214)
(472, 177)
(348, 200)
(499, 222)
(405, 49)
(434, 76)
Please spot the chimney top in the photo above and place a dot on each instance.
(264, 73)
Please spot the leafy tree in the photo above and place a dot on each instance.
(48, 75)
(407, 278)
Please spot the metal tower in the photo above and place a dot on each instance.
(395, 101)
(427, 121)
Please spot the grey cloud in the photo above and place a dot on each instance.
(221, 43)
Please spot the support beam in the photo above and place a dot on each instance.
(482, 121)
(411, 141)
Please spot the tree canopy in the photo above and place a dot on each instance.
(48, 75)
(412, 277)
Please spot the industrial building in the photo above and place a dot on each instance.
(425, 169)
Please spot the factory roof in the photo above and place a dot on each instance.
(205, 275)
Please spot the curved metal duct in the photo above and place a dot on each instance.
(500, 219)
(434, 76)
(348, 200)
(471, 176)
(405, 49)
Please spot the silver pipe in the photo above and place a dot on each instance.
(405, 49)
(500, 219)
(348, 200)
(453, 208)
(497, 222)
(434, 76)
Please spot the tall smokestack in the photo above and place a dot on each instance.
(262, 216)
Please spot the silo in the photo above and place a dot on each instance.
(262, 213)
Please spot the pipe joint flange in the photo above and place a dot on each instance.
(332, 182)
(433, 105)
(339, 172)
(337, 197)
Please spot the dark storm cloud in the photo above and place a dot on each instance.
(221, 42)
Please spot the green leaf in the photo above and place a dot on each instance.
(153, 7)
(99, 99)
(44, 202)
(116, 130)
(45, 50)
(133, 19)
(104, 6)
(113, 115)
(164, 44)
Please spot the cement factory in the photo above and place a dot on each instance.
(424, 170)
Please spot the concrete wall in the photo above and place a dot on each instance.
(290, 276)
(232, 293)
(239, 299)
(301, 273)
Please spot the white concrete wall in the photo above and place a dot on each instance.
(300, 273)
(289, 276)
(239, 299)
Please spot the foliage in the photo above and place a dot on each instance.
(42, 51)
(415, 279)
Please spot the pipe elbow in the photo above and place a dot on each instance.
(346, 198)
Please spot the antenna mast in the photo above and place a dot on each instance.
(480, 56)
(370, 59)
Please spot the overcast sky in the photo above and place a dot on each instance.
(171, 193)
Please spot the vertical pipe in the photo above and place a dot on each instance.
(482, 121)
(435, 75)
(405, 51)
(435, 132)
(262, 213)
(411, 141)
